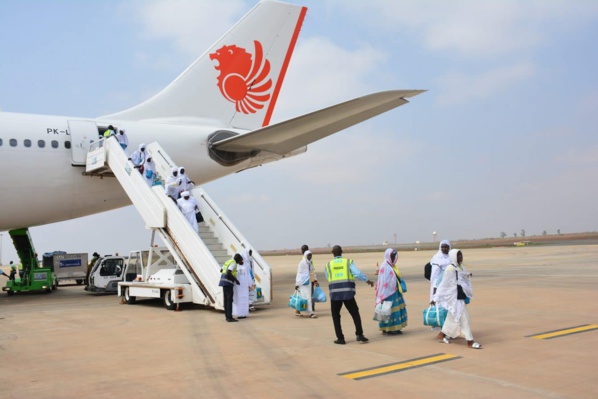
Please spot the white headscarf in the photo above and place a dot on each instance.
(248, 261)
(439, 263)
(304, 269)
(387, 278)
(446, 293)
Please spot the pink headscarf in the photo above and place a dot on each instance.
(387, 278)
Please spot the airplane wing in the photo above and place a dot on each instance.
(284, 137)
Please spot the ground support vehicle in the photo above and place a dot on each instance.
(35, 277)
(66, 266)
(155, 274)
(105, 274)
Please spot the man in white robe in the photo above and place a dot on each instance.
(189, 206)
(241, 292)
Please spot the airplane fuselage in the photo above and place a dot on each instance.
(40, 149)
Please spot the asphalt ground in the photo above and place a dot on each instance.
(534, 311)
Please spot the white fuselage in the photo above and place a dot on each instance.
(40, 185)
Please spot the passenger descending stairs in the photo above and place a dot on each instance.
(199, 256)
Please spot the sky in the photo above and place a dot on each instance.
(504, 140)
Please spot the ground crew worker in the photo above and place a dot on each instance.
(341, 274)
(13, 271)
(21, 272)
(92, 262)
(227, 281)
(109, 132)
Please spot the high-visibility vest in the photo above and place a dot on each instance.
(108, 133)
(224, 280)
(341, 280)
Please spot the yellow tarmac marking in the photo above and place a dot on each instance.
(400, 366)
(564, 331)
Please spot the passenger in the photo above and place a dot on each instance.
(109, 132)
(248, 261)
(189, 206)
(187, 184)
(305, 273)
(388, 288)
(452, 294)
(92, 262)
(122, 139)
(304, 248)
(149, 171)
(439, 262)
(171, 178)
(227, 282)
(138, 157)
(241, 291)
(341, 274)
(173, 189)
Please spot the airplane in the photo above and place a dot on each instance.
(214, 118)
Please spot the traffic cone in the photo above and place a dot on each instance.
(377, 269)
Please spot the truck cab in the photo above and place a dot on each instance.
(106, 273)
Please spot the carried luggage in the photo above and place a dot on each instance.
(318, 295)
(434, 316)
(383, 311)
(297, 302)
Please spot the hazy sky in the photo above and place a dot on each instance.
(504, 140)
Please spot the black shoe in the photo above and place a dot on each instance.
(232, 320)
(399, 332)
(340, 342)
(362, 339)
(242, 317)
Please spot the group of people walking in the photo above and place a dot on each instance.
(450, 288)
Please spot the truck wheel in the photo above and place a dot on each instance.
(10, 293)
(128, 298)
(49, 289)
(168, 303)
(79, 282)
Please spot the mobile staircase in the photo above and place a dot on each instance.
(197, 259)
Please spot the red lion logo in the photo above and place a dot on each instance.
(241, 80)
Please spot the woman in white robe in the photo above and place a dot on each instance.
(303, 282)
(138, 156)
(248, 263)
(439, 263)
(149, 171)
(241, 292)
(187, 184)
(447, 296)
(173, 189)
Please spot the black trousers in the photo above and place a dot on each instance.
(351, 305)
(228, 301)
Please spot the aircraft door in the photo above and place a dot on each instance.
(82, 134)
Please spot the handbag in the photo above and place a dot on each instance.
(318, 295)
(403, 286)
(198, 217)
(383, 311)
(434, 316)
(297, 302)
(149, 173)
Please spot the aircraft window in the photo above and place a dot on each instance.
(67, 144)
(0, 142)
(27, 143)
(54, 144)
(13, 142)
(41, 143)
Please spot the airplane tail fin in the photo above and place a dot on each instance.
(236, 82)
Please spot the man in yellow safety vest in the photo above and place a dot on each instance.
(227, 281)
(341, 274)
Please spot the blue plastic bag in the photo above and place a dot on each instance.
(318, 295)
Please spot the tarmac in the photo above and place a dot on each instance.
(534, 312)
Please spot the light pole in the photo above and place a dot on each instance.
(434, 235)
